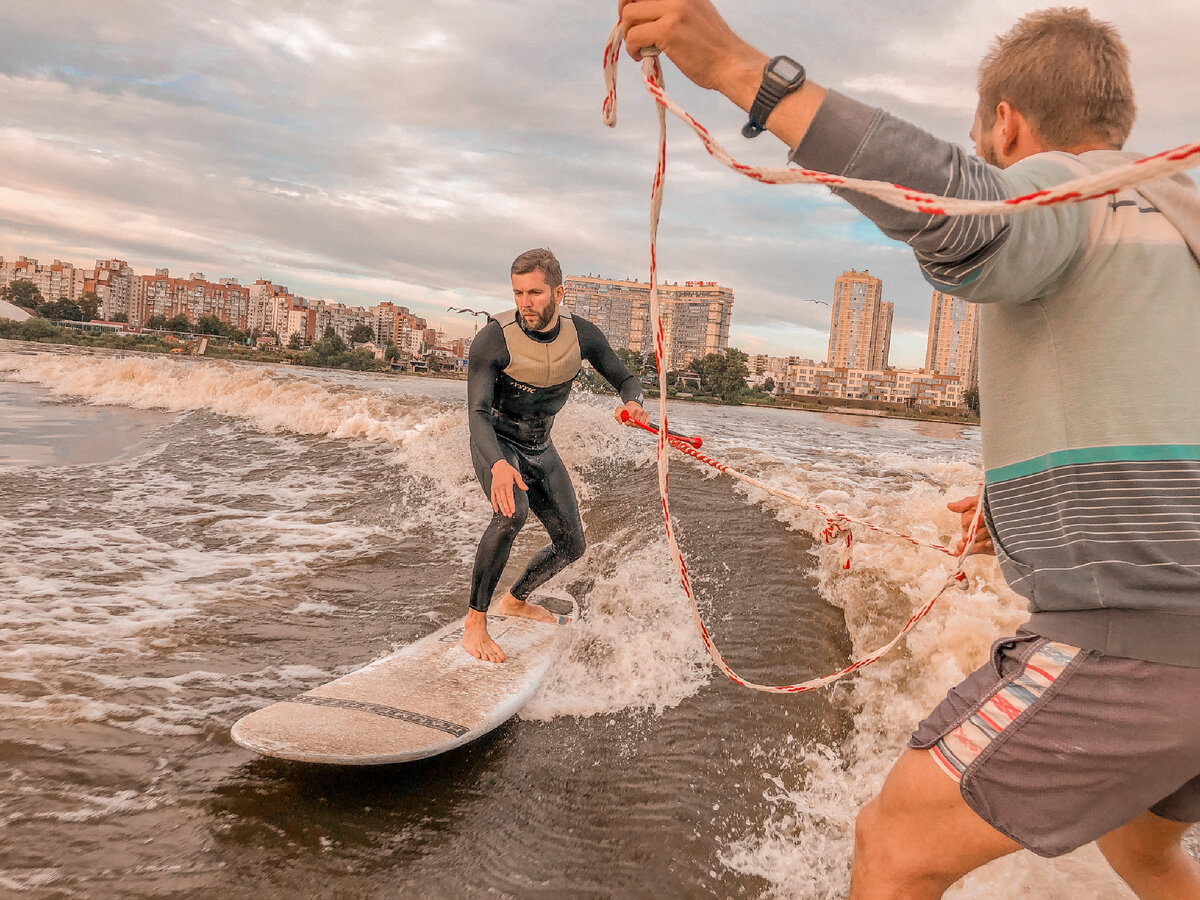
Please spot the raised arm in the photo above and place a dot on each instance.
(830, 132)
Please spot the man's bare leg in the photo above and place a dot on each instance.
(1148, 855)
(508, 605)
(477, 641)
(919, 836)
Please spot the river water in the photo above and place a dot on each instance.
(183, 541)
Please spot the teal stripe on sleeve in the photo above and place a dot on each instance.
(1059, 458)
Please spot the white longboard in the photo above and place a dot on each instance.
(424, 699)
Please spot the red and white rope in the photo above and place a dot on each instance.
(1091, 187)
(837, 524)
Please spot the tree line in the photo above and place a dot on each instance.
(721, 376)
(25, 294)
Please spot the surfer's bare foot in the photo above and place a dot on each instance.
(477, 641)
(508, 605)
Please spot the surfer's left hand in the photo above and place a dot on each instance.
(983, 539)
(635, 413)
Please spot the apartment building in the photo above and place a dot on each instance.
(341, 318)
(695, 315)
(398, 325)
(269, 305)
(860, 329)
(193, 297)
(760, 368)
(953, 345)
(54, 282)
(118, 287)
(884, 385)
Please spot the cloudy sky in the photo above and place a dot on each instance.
(368, 151)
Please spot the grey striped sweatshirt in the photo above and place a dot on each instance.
(1089, 374)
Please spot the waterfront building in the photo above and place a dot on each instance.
(695, 315)
(342, 319)
(54, 282)
(760, 368)
(885, 385)
(193, 298)
(118, 288)
(860, 329)
(269, 305)
(953, 345)
(397, 325)
(301, 321)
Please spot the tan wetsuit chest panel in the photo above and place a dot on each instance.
(541, 364)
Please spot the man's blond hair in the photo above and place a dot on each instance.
(1066, 73)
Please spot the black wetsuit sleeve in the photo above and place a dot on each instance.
(595, 348)
(489, 356)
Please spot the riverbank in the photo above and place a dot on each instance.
(149, 345)
(38, 331)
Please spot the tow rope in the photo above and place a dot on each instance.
(1089, 188)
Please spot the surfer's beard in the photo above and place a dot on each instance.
(540, 322)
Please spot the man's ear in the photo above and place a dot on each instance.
(559, 293)
(1015, 137)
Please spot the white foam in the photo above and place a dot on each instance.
(634, 650)
(271, 399)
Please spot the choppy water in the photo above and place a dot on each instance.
(183, 541)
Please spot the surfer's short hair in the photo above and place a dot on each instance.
(539, 260)
(1066, 73)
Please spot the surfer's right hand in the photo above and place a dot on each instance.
(504, 476)
(694, 36)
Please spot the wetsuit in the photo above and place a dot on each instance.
(517, 381)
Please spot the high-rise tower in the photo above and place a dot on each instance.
(953, 338)
(860, 330)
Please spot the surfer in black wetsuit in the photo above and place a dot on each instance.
(521, 368)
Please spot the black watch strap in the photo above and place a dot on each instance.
(781, 76)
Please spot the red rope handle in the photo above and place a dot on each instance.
(671, 436)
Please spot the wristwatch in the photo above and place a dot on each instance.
(781, 76)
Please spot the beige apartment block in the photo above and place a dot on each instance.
(885, 385)
(953, 345)
(118, 287)
(761, 367)
(342, 319)
(113, 281)
(398, 325)
(54, 282)
(269, 305)
(695, 315)
(860, 328)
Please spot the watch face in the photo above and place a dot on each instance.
(787, 69)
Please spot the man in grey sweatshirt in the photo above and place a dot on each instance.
(1083, 725)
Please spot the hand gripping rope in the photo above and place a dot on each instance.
(1091, 187)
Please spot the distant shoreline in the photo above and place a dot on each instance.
(461, 376)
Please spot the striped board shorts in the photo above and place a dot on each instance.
(1056, 746)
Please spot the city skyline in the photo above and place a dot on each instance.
(696, 319)
(409, 153)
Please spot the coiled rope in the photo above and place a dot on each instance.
(1091, 187)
